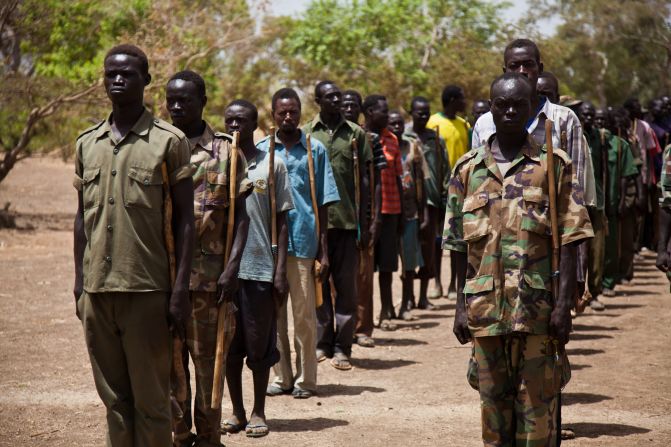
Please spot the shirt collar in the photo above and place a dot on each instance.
(140, 128)
(317, 121)
(205, 140)
(544, 108)
(302, 141)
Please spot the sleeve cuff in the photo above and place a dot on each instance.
(77, 182)
(180, 174)
(578, 235)
(244, 186)
(453, 245)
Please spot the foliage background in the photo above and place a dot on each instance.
(602, 50)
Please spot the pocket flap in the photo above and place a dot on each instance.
(217, 178)
(90, 175)
(145, 176)
(534, 194)
(535, 280)
(479, 284)
(472, 203)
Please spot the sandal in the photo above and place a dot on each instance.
(341, 362)
(256, 430)
(275, 390)
(365, 341)
(387, 325)
(231, 427)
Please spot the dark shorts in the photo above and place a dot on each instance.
(386, 249)
(256, 326)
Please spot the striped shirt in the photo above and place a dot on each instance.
(564, 121)
(391, 196)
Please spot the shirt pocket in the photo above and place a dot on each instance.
(480, 296)
(216, 192)
(535, 211)
(144, 189)
(476, 221)
(91, 188)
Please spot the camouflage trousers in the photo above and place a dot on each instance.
(201, 341)
(596, 253)
(519, 378)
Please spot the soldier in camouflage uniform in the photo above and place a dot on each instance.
(210, 280)
(498, 227)
(664, 244)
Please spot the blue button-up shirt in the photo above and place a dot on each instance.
(303, 241)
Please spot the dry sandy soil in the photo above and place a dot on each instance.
(409, 390)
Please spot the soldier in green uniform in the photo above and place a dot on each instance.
(122, 281)
(210, 281)
(622, 172)
(664, 243)
(498, 226)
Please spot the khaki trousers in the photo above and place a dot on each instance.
(596, 253)
(302, 291)
(364, 306)
(129, 345)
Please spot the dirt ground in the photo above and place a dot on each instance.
(409, 390)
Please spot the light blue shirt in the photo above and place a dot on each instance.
(303, 241)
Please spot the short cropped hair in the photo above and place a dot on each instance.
(630, 102)
(371, 100)
(131, 50)
(321, 84)
(285, 93)
(247, 105)
(512, 76)
(523, 43)
(450, 92)
(191, 76)
(418, 100)
(354, 93)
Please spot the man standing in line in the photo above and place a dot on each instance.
(122, 289)
(664, 242)
(435, 185)
(351, 105)
(345, 227)
(263, 276)
(455, 132)
(504, 270)
(376, 114)
(305, 245)
(210, 157)
(548, 86)
(414, 210)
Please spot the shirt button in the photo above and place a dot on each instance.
(111, 201)
(146, 182)
(116, 150)
(109, 227)
(113, 172)
(108, 259)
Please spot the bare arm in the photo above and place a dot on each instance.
(79, 246)
(280, 280)
(664, 245)
(460, 327)
(376, 213)
(228, 281)
(560, 319)
(363, 206)
(323, 249)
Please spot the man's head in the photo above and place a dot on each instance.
(396, 123)
(618, 121)
(510, 95)
(185, 98)
(286, 109)
(633, 107)
(601, 118)
(453, 99)
(241, 116)
(126, 74)
(656, 107)
(328, 96)
(666, 100)
(586, 114)
(351, 105)
(420, 109)
(480, 107)
(522, 56)
(376, 112)
(548, 85)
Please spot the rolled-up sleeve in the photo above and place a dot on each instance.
(178, 160)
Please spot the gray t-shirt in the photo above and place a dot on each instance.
(257, 258)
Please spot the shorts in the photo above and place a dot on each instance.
(411, 252)
(387, 247)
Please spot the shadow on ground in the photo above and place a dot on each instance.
(299, 425)
(333, 389)
(579, 336)
(584, 351)
(593, 327)
(399, 341)
(418, 325)
(582, 398)
(380, 363)
(595, 430)
(579, 367)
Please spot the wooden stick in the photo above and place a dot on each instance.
(552, 187)
(357, 187)
(271, 192)
(218, 383)
(319, 298)
(617, 183)
(419, 179)
(439, 162)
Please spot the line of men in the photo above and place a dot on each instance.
(352, 198)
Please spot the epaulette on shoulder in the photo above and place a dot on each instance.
(224, 136)
(90, 129)
(168, 127)
(563, 156)
(468, 156)
(263, 140)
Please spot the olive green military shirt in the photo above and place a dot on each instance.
(339, 148)
(626, 168)
(438, 180)
(665, 180)
(503, 224)
(122, 188)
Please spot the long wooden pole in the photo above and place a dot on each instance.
(218, 383)
(419, 178)
(271, 191)
(319, 298)
(357, 187)
(439, 161)
(552, 188)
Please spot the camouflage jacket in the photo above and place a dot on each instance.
(665, 180)
(503, 223)
(210, 158)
